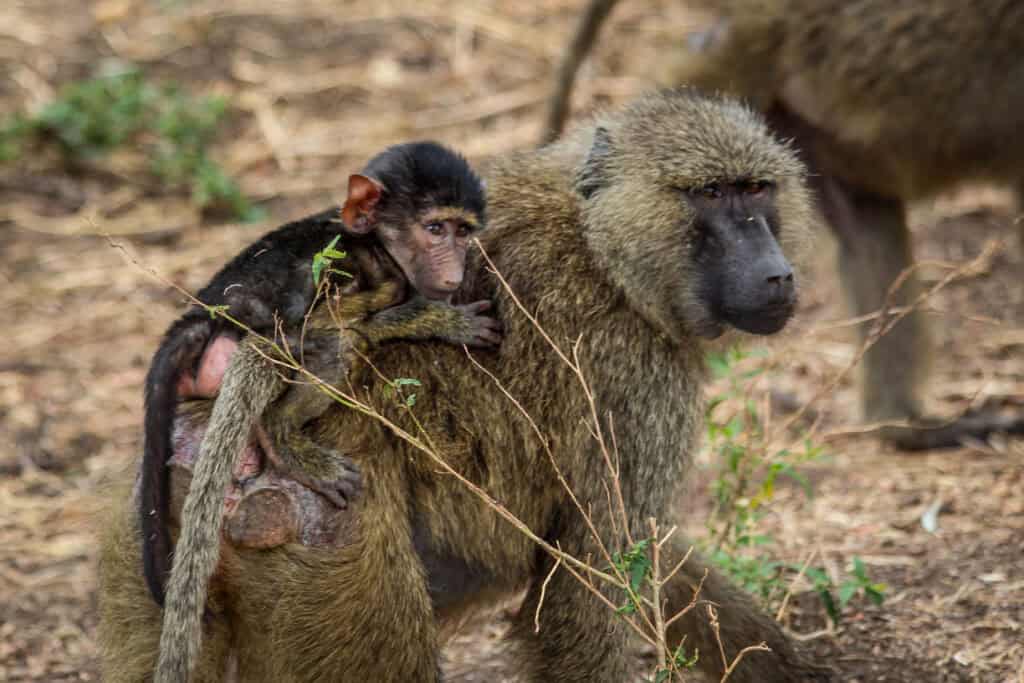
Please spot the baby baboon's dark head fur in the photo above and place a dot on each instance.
(418, 176)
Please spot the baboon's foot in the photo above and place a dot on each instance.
(340, 489)
(339, 480)
(330, 473)
(933, 434)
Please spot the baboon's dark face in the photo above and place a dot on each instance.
(692, 208)
(744, 279)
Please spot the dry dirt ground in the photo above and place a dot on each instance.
(317, 87)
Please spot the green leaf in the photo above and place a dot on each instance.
(830, 604)
(719, 364)
(410, 400)
(319, 263)
(323, 259)
(859, 570)
(846, 592)
(682, 661)
(637, 571)
(214, 311)
(817, 576)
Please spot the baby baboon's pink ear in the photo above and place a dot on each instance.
(358, 212)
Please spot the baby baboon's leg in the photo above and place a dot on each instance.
(327, 353)
(129, 628)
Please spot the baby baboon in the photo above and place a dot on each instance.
(888, 102)
(647, 233)
(249, 386)
(407, 218)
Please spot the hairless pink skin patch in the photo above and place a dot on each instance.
(213, 364)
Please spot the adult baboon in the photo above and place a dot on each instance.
(888, 102)
(647, 233)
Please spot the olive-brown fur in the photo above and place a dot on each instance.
(611, 271)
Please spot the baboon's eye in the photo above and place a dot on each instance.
(754, 186)
(709, 191)
(434, 228)
(464, 230)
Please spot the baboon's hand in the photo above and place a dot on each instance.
(342, 485)
(480, 330)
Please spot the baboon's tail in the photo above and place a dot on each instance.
(180, 348)
(234, 415)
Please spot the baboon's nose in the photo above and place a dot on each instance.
(781, 286)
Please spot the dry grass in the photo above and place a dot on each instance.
(318, 87)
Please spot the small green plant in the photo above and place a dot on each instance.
(749, 470)
(680, 661)
(397, 387)
(636, 565)
(323, 259)
(836, 600)
(749, 466)
(92, 118)
(755, 571)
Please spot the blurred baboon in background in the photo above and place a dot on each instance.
(888, 103)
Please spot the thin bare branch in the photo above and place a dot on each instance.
(543, 593)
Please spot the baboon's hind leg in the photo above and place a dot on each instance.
(875, 249)
(359, 613)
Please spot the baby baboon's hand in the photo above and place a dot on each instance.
(480, 330)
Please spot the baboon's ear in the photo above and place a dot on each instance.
(592, 176)
(358, 212)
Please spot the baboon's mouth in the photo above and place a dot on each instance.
(766, 320)
(438, 294)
